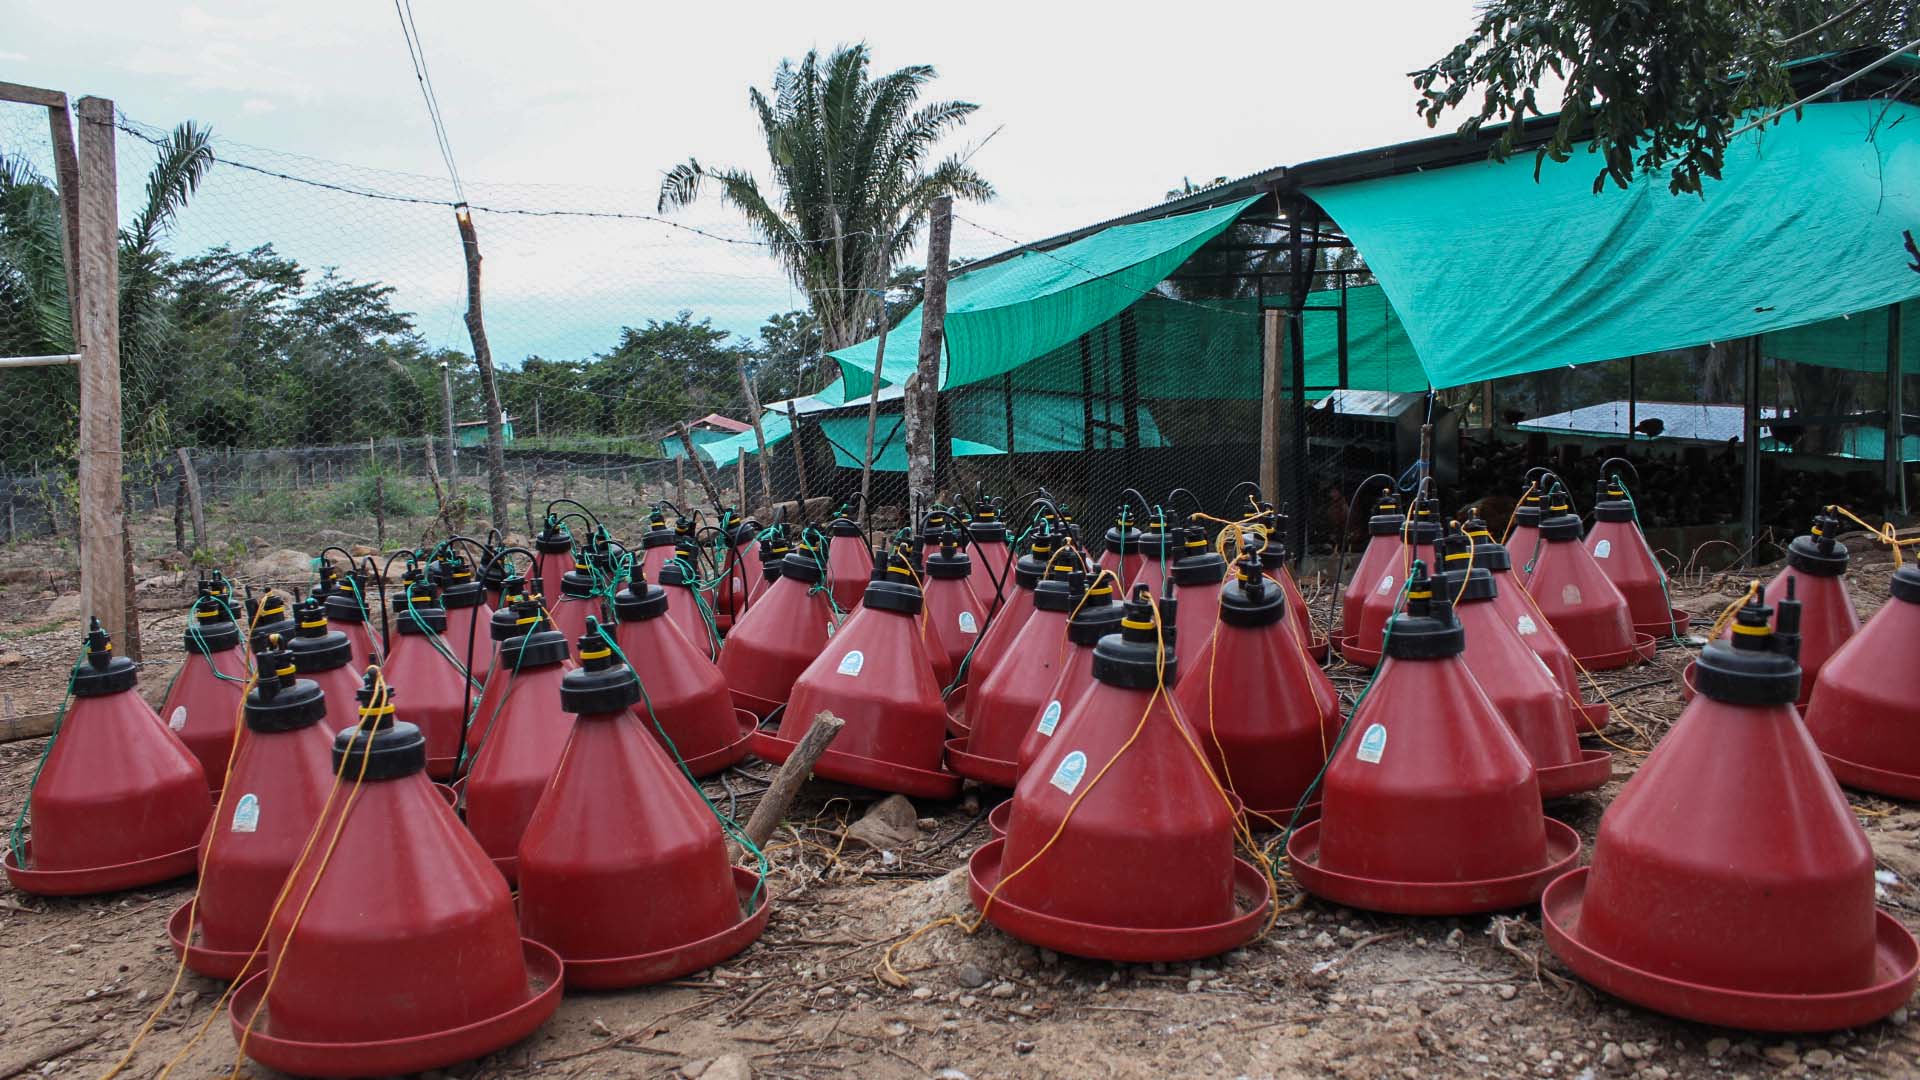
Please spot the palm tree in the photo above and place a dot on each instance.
(849, 156)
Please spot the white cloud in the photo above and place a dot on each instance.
(13, 57)
(256, 106)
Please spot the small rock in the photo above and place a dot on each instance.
(1633, 1051)
(1654, 1072)
(728, 1067)
(890, 824)
(1782, 1055)
(692, 1070)
(1194, 986)
(1001, 990)
(1506, 991)
(1324, 941)
(1899, 1016)
(929, 824)
(1049, 958)
(1611, 1057)
(1818, 1059)
(1022, 1046)
(1718, 1047)
(969, 976)
(969, 1001)
(11, 659)
(922, 993)
(1455, 938)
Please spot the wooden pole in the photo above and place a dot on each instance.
(102, 534)
(190, 482)
(793, 773)
(1750, 434)
(799, 455)
(483, 358)
(680, 481)
(453, 441)
(923, 390)
(1273, 341)
(740, 474)
(1896, 421)
(699, 467)
(873, 418)
(759, 434)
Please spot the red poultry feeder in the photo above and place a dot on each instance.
(1003, 709)
(118, 801)
(553, 551)
(1621, 549)
(521, 612)
(1119, 790)
(346, 609)
(1198, 576)
(780, 635)
(1731, 883)
(1160, 544)
(326, 657)
(579, 597)
(875, 676)
(1274, 563)
(657, 544)
(1816, 575)
(771, 551)
(202, 705)
(954, 611)
(849, 563)
(1096, 616)
(280, 783)
(1517, 610)
(729, 598)
(1523, 535)
(1383, 600)
(992, 555)
(465, 601)
(1120, 552)
(686, 705)
(686, 610)
(520, 742)
(1004, 625)
(399, 897)
(266, 615)
(580, 870)
(1381, 555)
(1254, 702)
(1569, 588)
(422, 660)
(1526, 695)
(1861, 711)
(1433, 808)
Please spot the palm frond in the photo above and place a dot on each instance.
(185, 156)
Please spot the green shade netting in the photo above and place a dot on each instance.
(847, 435)
(1865, 442)
(1043, 423)
(1001, 316)
(672, 447)
(1379, 354)
(773, 425)
(1496, 274)
(1856, 343)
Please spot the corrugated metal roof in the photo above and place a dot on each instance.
(1680, 419)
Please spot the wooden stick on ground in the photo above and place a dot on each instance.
(786, 783)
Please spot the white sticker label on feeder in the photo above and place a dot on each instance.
(1373, 744)
(1570, 594)
(246, 815)
(1049, 718)
(178, 721)
(1602, 549)
(850, 664)
(969, 624)
(1386, 585)
(1526, 625)
(1072, 768)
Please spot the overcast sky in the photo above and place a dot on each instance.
(1099, 109)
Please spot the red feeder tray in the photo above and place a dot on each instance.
(957, 724)
(731, 754)
(389, 1057)
(629, 971)
(994, 772)
(1252, 892)
(1896, 964)
(997, 817)
(1383, 596)
(685, 693)
(1429, 897)
(1589, 773)
(1354, 653)
(98, 879)
(864, 771)
(1008, 702)
(224, 964)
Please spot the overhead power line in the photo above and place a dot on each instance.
(403, 10)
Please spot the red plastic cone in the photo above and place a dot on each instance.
(326, 657)
(468, 614)
(1002, 709)
(203, 701)
(953, 612)
(686, 700)
(1382, 553)
(657, 544)
(1198, 576)
(1618, 545)
(1571, 590)
(1016, 607)
(553, 552)
(1254, 702)
(1275, 564)
(118, 801)
(1120, 552)
(521, 613)
(579, 597)
(280, 780)
(397, 891)
(1862, 708)
(1096, 616)
(849, 563)
(347, 612)
(1731, 883)
(769, 554)
(1816, 574)
(684, 609)
(779, 636)
(1517, 610)
(1526, 695)
(1523, 534)
(1159, 546)
(732, 595)
(436, 687)
(993, 558)
(1383, 600)
(582, 870)
(521, 738)
(875, 676)
(1430, 805)
(1119, 788)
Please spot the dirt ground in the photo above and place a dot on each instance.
(1329, 992)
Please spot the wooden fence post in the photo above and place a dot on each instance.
(799, 455)
(102, 532)
(759, 434)
(190, 485)
(923, 390)
(700, 467)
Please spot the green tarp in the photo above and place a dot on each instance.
(1495, 274)
(1001, 316)
(1858, 343)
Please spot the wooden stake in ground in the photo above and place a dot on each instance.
(759, 434)
(786, 783)
(483, 359)
(102, 533)
(799, 455)
(190, 483)
(699, 467)
(873, 410)
(923, 390)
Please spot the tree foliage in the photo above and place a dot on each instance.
(1653, 84)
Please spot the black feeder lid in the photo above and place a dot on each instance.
(102, 671)
(1426, 630)
(601, 685)
(1132, 657)
(387, 749)
(1757, 666)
